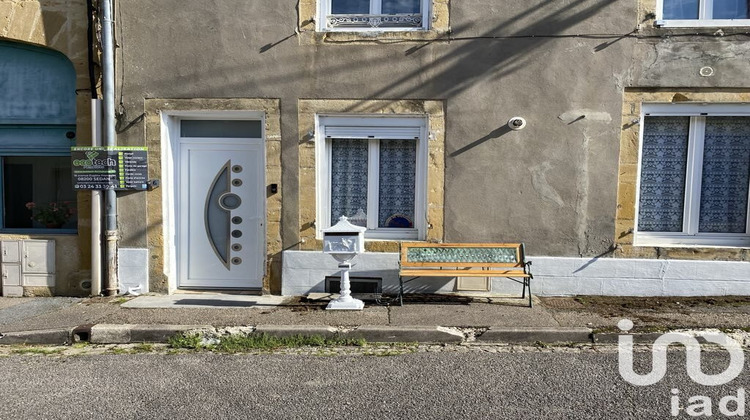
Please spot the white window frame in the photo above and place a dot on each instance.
(690, 237)
(705, 18)
(379, 127)
(324, 7)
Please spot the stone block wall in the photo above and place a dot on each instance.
(60, 25)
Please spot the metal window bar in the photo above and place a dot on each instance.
(375, 21)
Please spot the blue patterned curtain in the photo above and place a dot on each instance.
(663, 170)
(349, 180)
(398, 168)
(726, 172)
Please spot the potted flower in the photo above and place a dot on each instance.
(52, 215)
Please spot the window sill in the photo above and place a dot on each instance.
(390, 235)
(708, 241)
(386, 237)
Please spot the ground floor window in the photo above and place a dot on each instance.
(372, 170)
(694, 175)
(38, 193)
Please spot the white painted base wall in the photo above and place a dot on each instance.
(304, 272)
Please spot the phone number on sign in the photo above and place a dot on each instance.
(93, 187)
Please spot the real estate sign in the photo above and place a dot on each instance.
(107, 168)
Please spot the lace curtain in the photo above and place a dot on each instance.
(726, 169)
(349, 180)
(725, 175)
(398, 160)
(663, 169)
(396, 182)
(388, 7)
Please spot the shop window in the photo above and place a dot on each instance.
(694, 176)
(37, 129)
(38, 192)
(378, 15)
(373, 172)
(693, 13)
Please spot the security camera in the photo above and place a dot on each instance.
(516, 123)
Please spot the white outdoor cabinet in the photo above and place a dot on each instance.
(28, 262)
(11, 251)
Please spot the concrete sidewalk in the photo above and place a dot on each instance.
(422, 318)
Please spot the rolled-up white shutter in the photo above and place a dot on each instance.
(342, 132)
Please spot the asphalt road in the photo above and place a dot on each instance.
(563, 384)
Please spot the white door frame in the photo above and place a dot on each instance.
(170, 158)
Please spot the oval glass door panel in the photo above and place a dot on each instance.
(230, 201)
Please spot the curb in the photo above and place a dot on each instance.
(638, 338)
(383, 334)
(536, 334)
(160, 333)
(290, 330)
(137, 333)
(60, 336)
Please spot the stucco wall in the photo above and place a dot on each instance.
(550, 185)
(60, 25)
(564, 66)
(673, 57)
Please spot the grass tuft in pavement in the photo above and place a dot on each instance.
(37, 350)
(185, 341)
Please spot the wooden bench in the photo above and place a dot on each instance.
(422, 259)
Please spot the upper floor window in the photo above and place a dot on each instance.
(694, 176)
(373, 15)
(692, 13)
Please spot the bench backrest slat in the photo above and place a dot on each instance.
(421, 254)
(461, 264)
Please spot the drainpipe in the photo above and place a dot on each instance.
(96, 206)
(108, 120)
(96, 140)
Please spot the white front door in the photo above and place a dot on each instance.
(220, 213)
